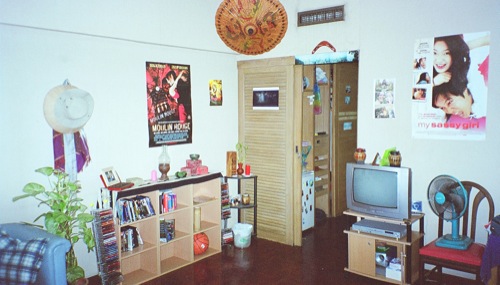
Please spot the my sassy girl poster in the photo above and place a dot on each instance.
(450, 87)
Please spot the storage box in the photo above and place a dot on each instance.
(393, 273)
(193, 163)
(202, 169)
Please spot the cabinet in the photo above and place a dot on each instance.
(153, 257)
(253, 200)
(362, 249)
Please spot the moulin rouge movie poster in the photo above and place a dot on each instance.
(169, 103)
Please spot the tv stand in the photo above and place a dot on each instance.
(363, 249)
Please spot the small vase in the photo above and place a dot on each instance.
(395, 158)
(360, 155)
(240, 170)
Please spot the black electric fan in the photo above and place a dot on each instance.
(448, 200)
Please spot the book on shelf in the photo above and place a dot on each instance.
(130, 238)
(170, 228)
(168, 201)
(133, 209)
(167, 230)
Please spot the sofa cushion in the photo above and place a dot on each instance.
(20, 261)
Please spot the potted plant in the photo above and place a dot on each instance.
(67, 216)
(241, 153)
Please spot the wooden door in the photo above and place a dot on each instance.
(344, 130)
(361, 251)
(273, 137)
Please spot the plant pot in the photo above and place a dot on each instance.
(81, 281)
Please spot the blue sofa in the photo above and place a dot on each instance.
(53, 267)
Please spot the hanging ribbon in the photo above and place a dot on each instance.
(71, 152)
(317, 100)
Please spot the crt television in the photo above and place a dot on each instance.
(379, 190)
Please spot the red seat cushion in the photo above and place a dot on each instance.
(472, 256)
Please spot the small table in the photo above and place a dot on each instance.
(253, 205)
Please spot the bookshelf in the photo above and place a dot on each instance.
(155, 255)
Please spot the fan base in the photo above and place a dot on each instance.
(460, 243)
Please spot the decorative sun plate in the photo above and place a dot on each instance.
(251, 26)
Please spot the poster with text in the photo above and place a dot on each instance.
(450, 87)
(384, 93)
(168, 89)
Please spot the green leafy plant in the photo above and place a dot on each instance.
(241, 151)
(67, 216)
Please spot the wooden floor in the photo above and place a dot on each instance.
(321, 260)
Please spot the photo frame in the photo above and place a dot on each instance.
(109, 176)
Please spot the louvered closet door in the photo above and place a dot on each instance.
(271, 136)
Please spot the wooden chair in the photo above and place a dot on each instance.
(470, 259)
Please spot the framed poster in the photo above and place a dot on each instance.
(215, 88)
(168, 91)
(450, 87)
(266, 98)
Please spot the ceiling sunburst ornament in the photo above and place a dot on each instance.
(251, 26)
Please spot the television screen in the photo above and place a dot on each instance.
(379, 190)
(369, 184)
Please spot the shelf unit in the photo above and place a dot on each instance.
(322, 172)
(362, 249)
(106, 248)
(226, 233)
(154, 258)
(253, 205)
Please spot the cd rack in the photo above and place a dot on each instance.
(108, 259)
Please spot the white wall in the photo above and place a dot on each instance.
(34, 60)
(387, 35)
(34, 57)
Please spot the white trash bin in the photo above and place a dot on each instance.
(242, 235)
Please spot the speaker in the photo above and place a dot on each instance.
(381, 259)
(384, 254)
